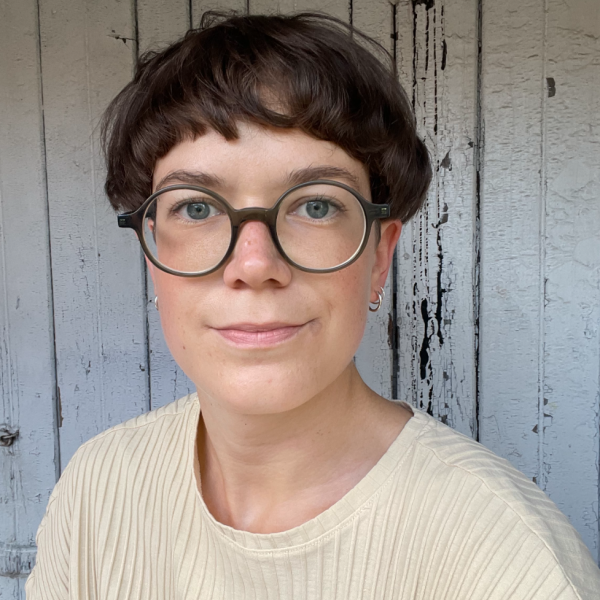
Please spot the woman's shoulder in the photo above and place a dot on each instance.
(101, 479)
(458, 456)
(146, 422)
(115, 462)
(455, 452)
(134, 440)
(474, 486)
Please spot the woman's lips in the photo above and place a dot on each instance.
(259, 335)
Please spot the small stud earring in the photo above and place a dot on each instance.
(379, 302)
(156, 302)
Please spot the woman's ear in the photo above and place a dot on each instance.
(384, 253)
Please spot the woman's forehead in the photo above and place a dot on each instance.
(260, 156)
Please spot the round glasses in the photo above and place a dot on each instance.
(317, 226)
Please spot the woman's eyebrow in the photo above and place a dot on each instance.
(192, 178)
(322, 172)
(295, 177)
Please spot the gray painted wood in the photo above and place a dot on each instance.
(160, 23)
(337, 8)
(540, 217)
(437, 64)
(101, 349)
(569, 423)
(510, 308)
(29, 467)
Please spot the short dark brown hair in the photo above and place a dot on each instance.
(304, 70)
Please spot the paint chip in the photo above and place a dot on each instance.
(446, 162)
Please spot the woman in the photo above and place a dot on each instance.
(267, 165)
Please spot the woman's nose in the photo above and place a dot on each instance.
(255, 260)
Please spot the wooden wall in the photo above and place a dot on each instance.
(492, 314)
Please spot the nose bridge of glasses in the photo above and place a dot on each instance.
(253, 213)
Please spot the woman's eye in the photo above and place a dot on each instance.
(197, 211)
(317, 209)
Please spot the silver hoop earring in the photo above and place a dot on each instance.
(379, 301)
(156, 302)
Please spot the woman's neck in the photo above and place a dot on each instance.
(268, 473)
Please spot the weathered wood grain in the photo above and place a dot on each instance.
(540, 296)
(540, 217)
(338, 8)
(569, 419)
(377, 20)
(102, 373)
(160, 23)
(9, 588)
(437, 64)
(29, 467)
(512, 236)
(375, 356)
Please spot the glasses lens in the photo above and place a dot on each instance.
(321, 226)
(186, 230)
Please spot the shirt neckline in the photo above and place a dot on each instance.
(323, 525)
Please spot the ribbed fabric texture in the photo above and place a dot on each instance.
(439, 517)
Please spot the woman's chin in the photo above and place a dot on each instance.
(261, 396)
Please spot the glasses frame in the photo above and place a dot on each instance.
(238, 216)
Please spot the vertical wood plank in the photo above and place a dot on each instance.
(376, 19)
(160, 24)
(540, 310)
(437, 64)
(374, 358)
(9, 589)
(87, 49)
(29, 467)
(511, 231)
(337, 8)
(569, 423)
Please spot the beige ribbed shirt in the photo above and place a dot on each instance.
(439, 517)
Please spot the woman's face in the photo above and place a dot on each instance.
(312, 322)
